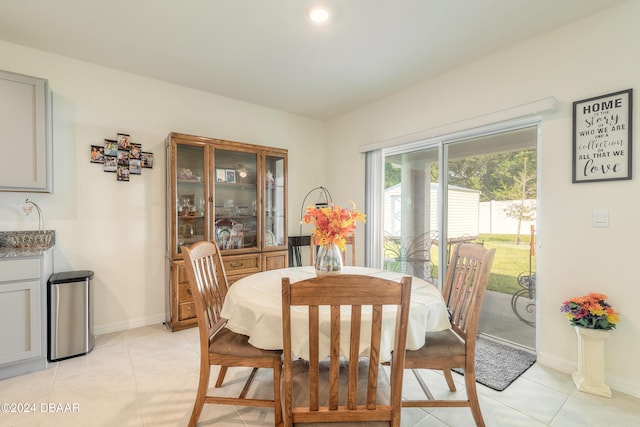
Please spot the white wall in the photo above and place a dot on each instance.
(591, 57)
(117, 229)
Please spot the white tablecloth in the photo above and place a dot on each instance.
(253, 307)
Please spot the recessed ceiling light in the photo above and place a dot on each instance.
(318, 14)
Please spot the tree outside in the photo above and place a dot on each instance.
(504, 176)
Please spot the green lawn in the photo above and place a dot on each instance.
(511, 260)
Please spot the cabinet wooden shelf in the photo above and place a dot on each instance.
(233, 193)
(234, 184)
(190, 216)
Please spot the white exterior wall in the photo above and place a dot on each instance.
(463, 210)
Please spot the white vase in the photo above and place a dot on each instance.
(590, 375)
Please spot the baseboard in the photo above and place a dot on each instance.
(128, 324)
(623, 385)
(620, 384)
(553, 362)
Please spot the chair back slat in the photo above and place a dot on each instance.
(343, 297)
(350, 244)
(209, 284)
(374, 355)
(334, 354)
(314, 349)
(465, 285)
(356, 320)
(350, 241)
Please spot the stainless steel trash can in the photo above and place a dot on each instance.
(70, 314)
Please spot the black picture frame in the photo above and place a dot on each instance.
(124, 141)
(135, 166)
(110, 147)
(97, 154)
(135, 151)
(110, 163)
(122, 173)
(147, 160)
(123, 158)
(602, 138)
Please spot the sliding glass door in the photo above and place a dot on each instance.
(411, 212)
(467, 188)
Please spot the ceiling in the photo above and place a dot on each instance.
(267, 53)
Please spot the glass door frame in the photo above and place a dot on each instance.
(275, 183)
(375, 169)
(172, 182)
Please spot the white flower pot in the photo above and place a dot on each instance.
(590, 375)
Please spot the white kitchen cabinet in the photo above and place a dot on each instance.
(25, 134)
(23, 308)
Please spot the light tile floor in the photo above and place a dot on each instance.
(148, 377)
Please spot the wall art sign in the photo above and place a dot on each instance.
(602, 137)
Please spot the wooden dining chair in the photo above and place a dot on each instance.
(354, 388)
(219, 345)
(350, 242)
(464, 290)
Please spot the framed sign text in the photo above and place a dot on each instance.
(602, 137)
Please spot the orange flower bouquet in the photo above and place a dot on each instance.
(332, 224)
(590, 311)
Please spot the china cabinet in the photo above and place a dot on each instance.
(229, 192)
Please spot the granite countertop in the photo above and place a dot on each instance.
(7, 249)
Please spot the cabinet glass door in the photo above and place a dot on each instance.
(236, 195)
(274, 201)
(190, 193)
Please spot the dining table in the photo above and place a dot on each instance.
(253, 307)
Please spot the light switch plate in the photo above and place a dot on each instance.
(601, 218)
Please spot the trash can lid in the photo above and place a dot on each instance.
(70, 276)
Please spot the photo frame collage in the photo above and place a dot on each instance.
(122, 156)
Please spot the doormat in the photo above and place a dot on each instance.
(498, 365)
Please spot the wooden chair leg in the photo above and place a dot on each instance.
(472, 395)
(245, 389)
(449, 378)
(203, 386)
(221, 374)
(423, 384)
(277, 402)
